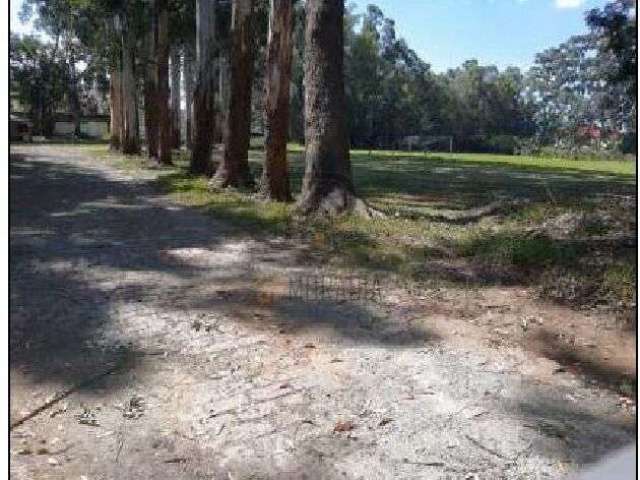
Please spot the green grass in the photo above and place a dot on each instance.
(617, 166)
(426, 198)
(235, 207)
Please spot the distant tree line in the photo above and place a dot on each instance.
(582, 90)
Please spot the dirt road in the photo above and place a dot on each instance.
(186, 357)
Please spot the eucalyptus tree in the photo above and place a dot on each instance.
(233, 170)
(187, 68)
(275, 177)
(38, 80)
(222, 63)
(568, 90)
(162, 81)
(149, 88)
(616, 27)
(328, 183)
(115, 108)
(203, 96)
(130, 134)
(175, 109)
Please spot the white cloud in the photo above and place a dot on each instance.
(569, 3)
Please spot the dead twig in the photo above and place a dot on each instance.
(61, 396)
(486, 449)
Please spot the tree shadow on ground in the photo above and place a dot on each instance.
(578, 435)
(354, 321)
(594, 369)
(76, 236)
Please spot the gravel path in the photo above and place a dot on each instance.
(212, 371)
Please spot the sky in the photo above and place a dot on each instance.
(445, 33)
(15, 25)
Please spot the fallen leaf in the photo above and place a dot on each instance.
(344, 426)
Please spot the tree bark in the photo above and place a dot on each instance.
(74, 100)
(328, 185)
(115, 108)
(275, 176)
(129, 138)
(188, 93)
(150, 107)
(223, 95)
(234, 168)
(162, 82)
(175, 99)
(203, 97)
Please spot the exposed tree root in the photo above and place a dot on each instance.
(339, 201)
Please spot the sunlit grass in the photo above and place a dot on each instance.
(417, 191)
(615, 166)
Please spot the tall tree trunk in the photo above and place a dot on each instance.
(129, 138)
(203, 97)
(175, 98)
(115, 108)
(162, 82)
(218, 135)
(234, 169)
(188, 93)
(74, 99)
(275, 177)
(150, 105)
(328, 185)
(223, 94)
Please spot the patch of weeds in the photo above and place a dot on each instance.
(568, 286)
(594, 226)
(517, 249)
(238, 208)
(620, 281)
(535, 214)
(591, 285)
(628, 388)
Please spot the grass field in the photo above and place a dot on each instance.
(563, 226)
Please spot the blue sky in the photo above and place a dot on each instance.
(445, 33)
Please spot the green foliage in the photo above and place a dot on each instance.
(38, 80)
(616, 26)
(243, 211)
(392, 94)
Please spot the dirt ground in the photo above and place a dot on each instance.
(165, 344)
